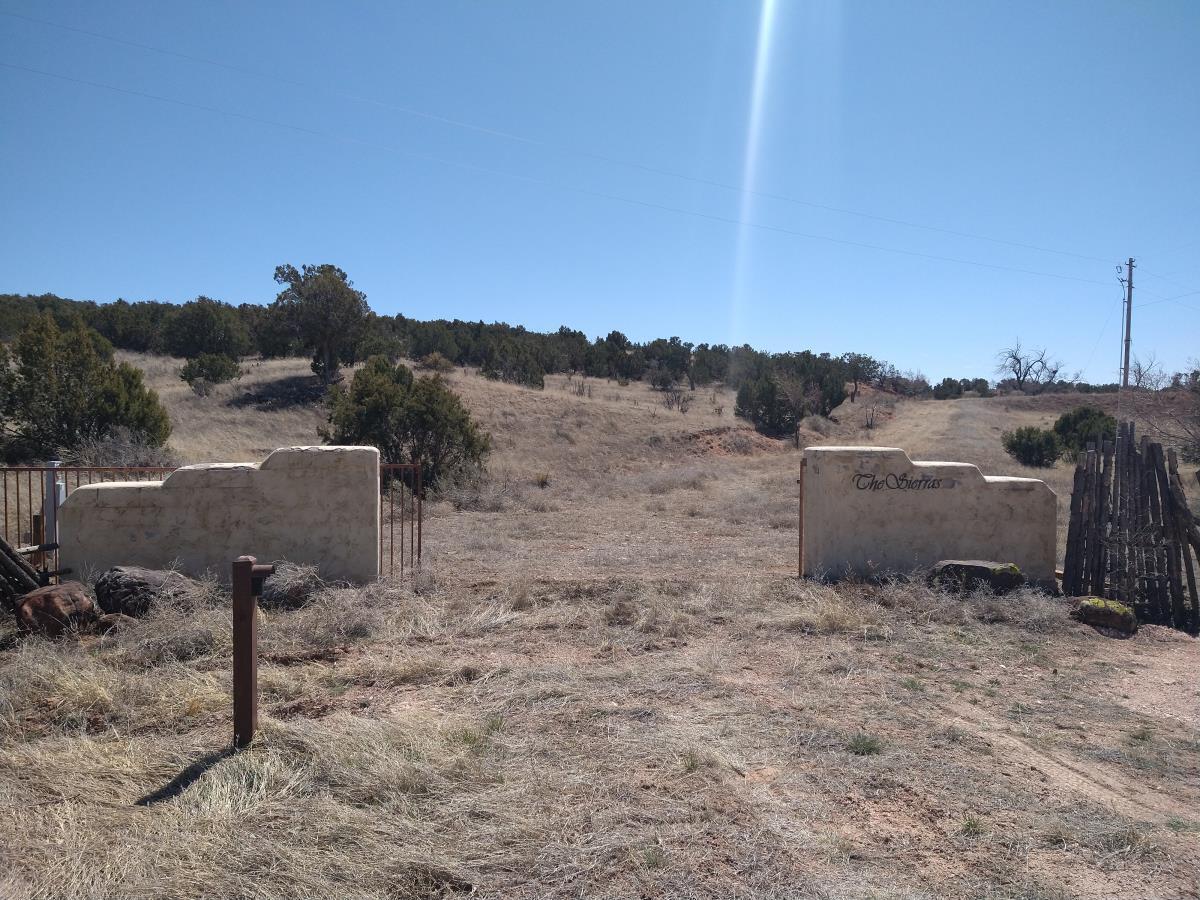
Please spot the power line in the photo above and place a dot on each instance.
(1184, 245)
(1174, 300)
(508, 135)
(1186, 287)
(1100, 336)
(266, 76)
(542, 182)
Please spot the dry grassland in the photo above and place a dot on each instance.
(606, 683)
(622, 738)
(590, 478)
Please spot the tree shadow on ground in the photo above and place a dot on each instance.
(283, 393)
(184, 779)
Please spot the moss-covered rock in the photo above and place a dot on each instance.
(970, 574)
(1104, 613)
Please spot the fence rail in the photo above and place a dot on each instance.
(30, 497)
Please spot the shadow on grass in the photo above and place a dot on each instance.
(184, 779)
(282, 393)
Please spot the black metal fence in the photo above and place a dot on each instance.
(400, 519)
(31, 495)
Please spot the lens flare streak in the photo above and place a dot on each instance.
(758, 98)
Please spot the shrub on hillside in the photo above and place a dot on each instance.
(206, 327)
(762, 403)
(209, 369)
(435, 362)
(801, 385)
(677, 399)
(410, 420)
(979, 385)
(61, 388)
(662, 379)
(514, 362)
(949, 389)
(380, 343)
(120, 448)
(1032, 446)
(1081, 425)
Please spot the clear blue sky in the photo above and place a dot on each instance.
(548, 163)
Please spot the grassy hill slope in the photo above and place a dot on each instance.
(630, 485)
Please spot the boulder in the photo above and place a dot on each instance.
(970, 574)
(113, 622)
(53, 609)
(1102, 613)
(132, 590)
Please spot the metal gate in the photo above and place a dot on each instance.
(400, 501)
(30, 497)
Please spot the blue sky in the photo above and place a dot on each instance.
(548, 163)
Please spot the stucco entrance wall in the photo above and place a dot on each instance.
(869, 510)
(312, 505)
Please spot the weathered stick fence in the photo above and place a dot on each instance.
(1132, 536)
(17, 576)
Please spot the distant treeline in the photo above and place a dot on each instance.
(774, 390)
(502, 351)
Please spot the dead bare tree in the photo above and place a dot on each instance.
(1173, 414)
(801, 396)
(677, 399)
(1030, 372)
(1148, 375)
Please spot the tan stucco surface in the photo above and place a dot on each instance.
(872, 510)
(313, 505)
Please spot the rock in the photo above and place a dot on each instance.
(132, 590)
(53, 609)
(969, 574)
(113, 622)
(1102, 613)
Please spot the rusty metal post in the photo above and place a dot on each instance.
(800, 522)
(247, 586)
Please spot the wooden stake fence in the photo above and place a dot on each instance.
(1132, 536)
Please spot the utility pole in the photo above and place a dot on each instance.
(1128, 279)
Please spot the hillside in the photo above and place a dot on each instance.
(612, 686)
(630, 483)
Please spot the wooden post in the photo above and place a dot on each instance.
(1117, 517)
(1071, 568)
(1134, 557)
(1171, 540)
(1087, 527)
(1183, 522)
(247, 585)
(1106, 523)
(1156, 559)
(37, 537)
(800, 522)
